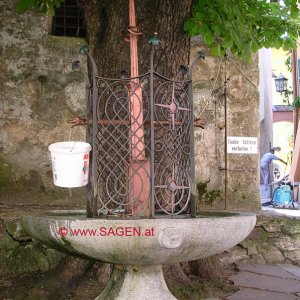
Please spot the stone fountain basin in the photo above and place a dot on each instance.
(142, 241)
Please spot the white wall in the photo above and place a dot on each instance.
(265, 99)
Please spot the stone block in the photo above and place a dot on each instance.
(53, 257)
(293, 255)
(15, 229)
(272, 255)
(272, 227)
(258, 234)
(235, 254)
(252, 250)
(2, 228)
(257, 259)
(7, 242)
(292, 228)
(250, 246)
(287, 243)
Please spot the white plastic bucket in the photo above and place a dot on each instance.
(70, 163)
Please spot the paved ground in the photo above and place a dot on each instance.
(265, 282)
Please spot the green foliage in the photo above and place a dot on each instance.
(286, 96)
(296, 103)
(41, 5)
(238, 27)
(288, 62)
(243, 27)
(205, 196)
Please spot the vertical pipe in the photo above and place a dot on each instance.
(136, 101)
(94, 182)
(78, 23)
(65, 9)
(152, 156)
(88, 139)
(192, 137)
(139, 168)
(225, 137)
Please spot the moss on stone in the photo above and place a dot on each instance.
(7, 242)
(22, 260)
(74, 76)
(10, 225)
(259, 235)
(15, 229)
(13, 52)
(291, 227)
(7, 176)
(53, 257)
(18, 258)
(20, 77)
(274, 225)
(57, 42)
(28, 259)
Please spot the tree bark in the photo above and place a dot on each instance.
(107, 20)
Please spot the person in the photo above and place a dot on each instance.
(265, 163)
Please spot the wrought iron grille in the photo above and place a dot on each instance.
(141, 131)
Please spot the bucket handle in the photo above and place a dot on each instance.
(70, 136)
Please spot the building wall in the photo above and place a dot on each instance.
(229, 181)
(40, 92)
(266, 100)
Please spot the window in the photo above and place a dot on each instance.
(68, 20)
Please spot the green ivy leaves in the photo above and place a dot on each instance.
(243, 27)
(41, 5)
(240, 27)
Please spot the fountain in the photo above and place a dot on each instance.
(141, 210)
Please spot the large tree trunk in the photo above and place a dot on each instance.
(107, 20)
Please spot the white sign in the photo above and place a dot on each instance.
(243, 145)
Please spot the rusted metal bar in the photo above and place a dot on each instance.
(79, 121)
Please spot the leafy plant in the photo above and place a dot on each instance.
(296, 102)
(238, 27)
(41, 5)
(286, 96)
(243, 27)
(205, 196)
(288, 62)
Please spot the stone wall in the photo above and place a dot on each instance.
(39, 93)
(275, 240)
(19, 254)
(226, 98)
